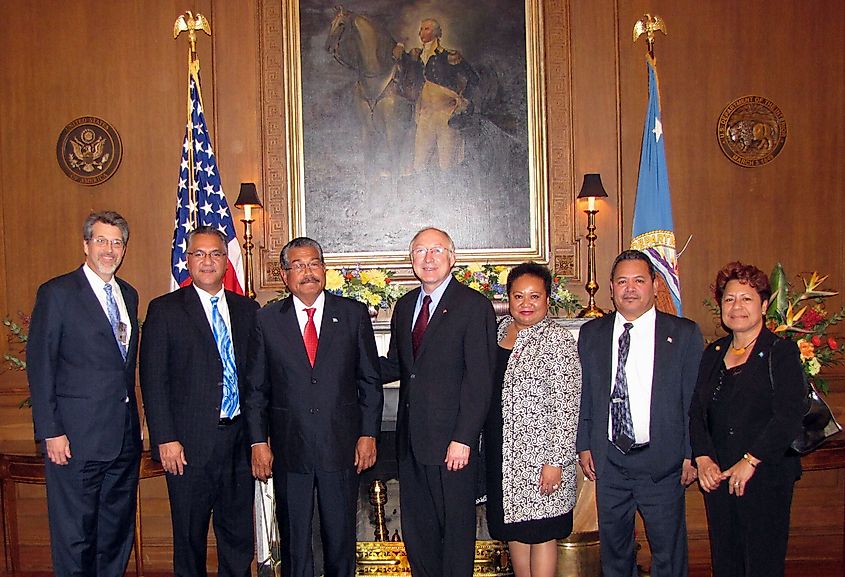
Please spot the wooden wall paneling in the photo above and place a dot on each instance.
(716, 52)
(595, 129)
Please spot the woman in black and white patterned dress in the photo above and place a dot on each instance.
(530, 430)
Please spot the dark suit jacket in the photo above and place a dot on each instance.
(764, 417)
(181, 371)
(445, 392)
(313, 415)
(77, 377)
(677, 352)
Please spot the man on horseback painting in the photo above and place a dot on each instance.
(441, 83)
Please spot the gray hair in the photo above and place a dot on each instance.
(299, 242)
(106, 217)
(437, 30)
(209, 231)
(434, 228)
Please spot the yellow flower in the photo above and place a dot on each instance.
(474, 285)
(374, 277)
(503, 275)
(474, 267)
(334, 280)
(371, 298)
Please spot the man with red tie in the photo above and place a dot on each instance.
(442, 349)
(313, 410)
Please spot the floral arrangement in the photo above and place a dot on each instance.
(803, 318)
(372, 286)
(491, 281)
(17, 337)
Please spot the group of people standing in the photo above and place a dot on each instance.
(292, 393)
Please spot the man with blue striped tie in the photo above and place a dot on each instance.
(193, 354)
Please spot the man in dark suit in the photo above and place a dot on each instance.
(442, 349)
(639, 369)
(81, 356)
(193, 358)
(313, 409)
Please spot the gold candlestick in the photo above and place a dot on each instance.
(378, 497)
(591, 189)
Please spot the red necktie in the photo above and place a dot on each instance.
(421, 324)
(310, 336)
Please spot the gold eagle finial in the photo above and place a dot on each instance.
(191, 22)
(647, 25)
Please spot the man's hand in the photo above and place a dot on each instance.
(457, 456)
(585, 458)
(262, 461)
(172, 457)
(365, 453)
(709, 473)
(398, 50)
(688, 473)
(58, 449)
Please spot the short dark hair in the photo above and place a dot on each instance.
(106, 217)
(632, 254)
(207, 230)
(298, 242)
(746, 274)
(533, 269)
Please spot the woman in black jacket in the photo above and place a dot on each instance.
(746, 410)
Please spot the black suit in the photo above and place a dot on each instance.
(182, 384)
(646, 479)
(752, 414)
(313, 417)
(82, 387)
(444, 396)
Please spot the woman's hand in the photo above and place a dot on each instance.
(549, 479)
(709, 473)
(738, 477)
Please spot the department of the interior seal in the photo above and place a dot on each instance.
(89, 150)
(751, 131)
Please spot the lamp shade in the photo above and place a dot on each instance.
(591, 188)
(248, 196)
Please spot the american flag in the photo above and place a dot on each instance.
(199, 199)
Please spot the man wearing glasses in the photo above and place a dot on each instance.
(442, 349)
(313, 408)
(81, 355)
(193, 359)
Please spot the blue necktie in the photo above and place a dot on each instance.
(114, 318)
(227, 356)
(620, 404)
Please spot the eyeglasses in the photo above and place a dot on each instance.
(436, 252)
(103, 242)
(302, 266)
(201, 254)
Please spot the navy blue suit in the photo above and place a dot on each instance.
(313, 418)
(81, 387)
(648, 479)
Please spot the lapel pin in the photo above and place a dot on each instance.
(445, 311)
(668, 339)
(334, 319)
(760, 354)
(718, 347)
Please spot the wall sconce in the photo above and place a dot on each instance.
(247, 200)
(591, 189)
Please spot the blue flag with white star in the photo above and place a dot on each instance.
(199, 199)
(653, 231)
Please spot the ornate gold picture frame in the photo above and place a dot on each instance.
(360, 189)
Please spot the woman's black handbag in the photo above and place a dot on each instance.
(818, 424)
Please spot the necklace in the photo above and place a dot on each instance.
(741, 350)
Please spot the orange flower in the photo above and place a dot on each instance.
(808, 351)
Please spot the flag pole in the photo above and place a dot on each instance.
(191, 23)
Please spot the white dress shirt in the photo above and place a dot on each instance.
(97, 285)
(302, 316)
(639, 371)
